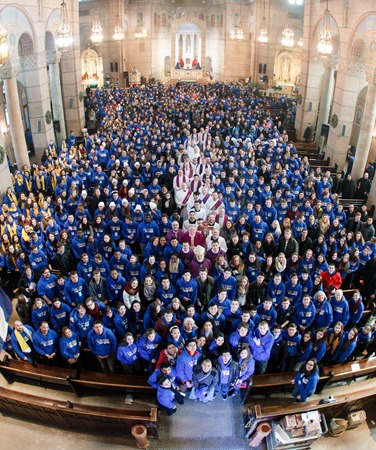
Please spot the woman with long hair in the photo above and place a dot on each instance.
(243, 291)
(304, 350)
(344, 351)
(23, 308)
(268, 268)
(335, 338)
(280, 264)
(128, 355)
(152, 314)
(253, 267)
(269, 245)
(131, 292)
(320, 344)
(246, 365)
(237, 267)
(306, 381)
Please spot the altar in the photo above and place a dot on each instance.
(187, 74)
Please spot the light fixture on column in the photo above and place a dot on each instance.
(64, 37)
(96, 31)
(263, 33)
(4, 49)
(325, 45)
(118, 30)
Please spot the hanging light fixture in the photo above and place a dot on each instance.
(325, 45)
(96, 31)
(300, 42)
(4, 49)
(64, 37)
(141, 31)
(236, 33)
(288, 33)
(118, 34)
(118, 31)
(296, 2)
(288, 36)
(263, 33)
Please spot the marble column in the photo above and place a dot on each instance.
(327, 88)
(9, 72)
(366, 128)
(53, 60)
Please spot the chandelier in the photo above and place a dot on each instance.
(118, 31)
(4, 49)
(236, 33)
(296, 2)
(300, 42)
(288, 36)
(118, 34)
(325, 45)
(263, 33)
(96, 31)
(141, 31)
(64, 37)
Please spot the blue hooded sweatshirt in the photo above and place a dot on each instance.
(102, 344)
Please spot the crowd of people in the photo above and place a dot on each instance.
(186, 239)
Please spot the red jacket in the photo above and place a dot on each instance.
(335, 280)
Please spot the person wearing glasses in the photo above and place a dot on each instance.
(306, 381)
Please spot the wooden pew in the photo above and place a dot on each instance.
(114, 382)
(56, 377)
(78, 417)
(282, 382)
(61, 378)
(362, 394)
(278, 382)
(332, 169)
(345, 372)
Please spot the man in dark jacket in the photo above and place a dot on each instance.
(287, 244)
(63, 260)
(257, 290)
(205, 380)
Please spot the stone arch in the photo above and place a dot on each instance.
(283, 66)
(17, 22)
(92, 67)
(363, 31)
(175, 24)
(25, 45)
(167, 65)
(334, 29)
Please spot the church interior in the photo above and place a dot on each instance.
(320, 54)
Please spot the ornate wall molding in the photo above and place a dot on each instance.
(53, 57)
(10, 69)
(349, 66)
(32, 62)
